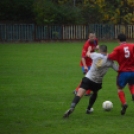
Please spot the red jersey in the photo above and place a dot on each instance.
(124, 55)
(85, 49)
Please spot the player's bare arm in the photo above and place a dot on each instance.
(89, 51)
(84, 64)
(97, 47)
(84, 61)
(89, 48)
(115, 66)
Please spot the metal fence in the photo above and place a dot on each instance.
(32, 32)
(16, 32)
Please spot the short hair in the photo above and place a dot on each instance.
(122, 37)
(91, 32)
(103, 48)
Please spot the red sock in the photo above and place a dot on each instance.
(122, 97)
(131, 88)
(78, 87)
(88, 91)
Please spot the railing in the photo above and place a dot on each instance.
(31, 32)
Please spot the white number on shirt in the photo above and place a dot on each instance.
(127, 52)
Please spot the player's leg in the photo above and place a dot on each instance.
(92, 100)
(80, 93)
(131, 88)
(77, 88)
(83, 71)
(88, 92)
(122, 98)
(95, 88)
(121, 82)
(131, 85)
(75, 101)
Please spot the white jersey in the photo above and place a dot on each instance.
(99, 67)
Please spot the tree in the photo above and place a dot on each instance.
(68, 11)
(129, 16)
(16, 10)
(47, 12)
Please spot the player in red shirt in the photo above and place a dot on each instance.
(124, 55)
(91, 44)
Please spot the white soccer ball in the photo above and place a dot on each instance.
(107, 105)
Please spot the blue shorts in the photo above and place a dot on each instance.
(84, 70)
(125, 78)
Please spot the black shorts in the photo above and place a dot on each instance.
(88, 84)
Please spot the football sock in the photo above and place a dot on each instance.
(78, 87)
(88, 91)
(75, 101)
(122, 97)
(131, 88)
(92, 99)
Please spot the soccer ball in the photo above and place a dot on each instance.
(107, 105)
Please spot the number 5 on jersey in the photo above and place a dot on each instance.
(127, 52)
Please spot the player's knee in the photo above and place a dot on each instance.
(119, 89)
(81, 92)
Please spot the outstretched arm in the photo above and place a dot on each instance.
(97, 47)
(84, 61)
(113, 55)
(115, 66)
(89, 51)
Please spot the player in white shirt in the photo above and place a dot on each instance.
(93, 78)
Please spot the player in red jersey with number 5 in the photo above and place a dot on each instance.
(124, 55)
(90, 45)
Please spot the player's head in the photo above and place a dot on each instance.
(103, 49)
(122, 37)
(91, 37)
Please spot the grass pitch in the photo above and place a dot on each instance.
(36, 85)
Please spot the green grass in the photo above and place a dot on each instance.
(36, 84)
